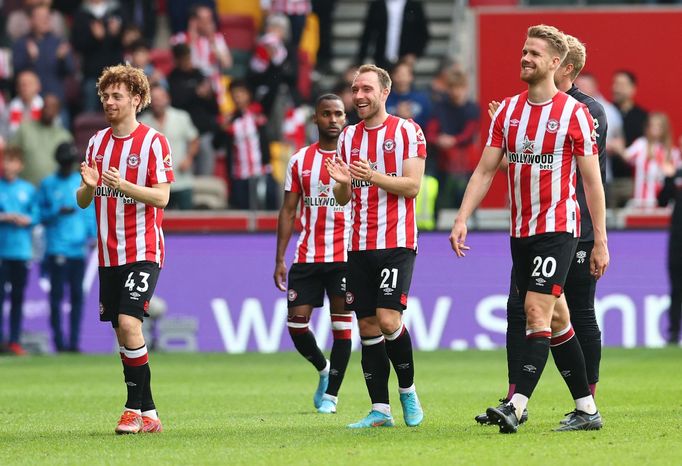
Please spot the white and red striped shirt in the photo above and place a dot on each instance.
(129, 231)
(382, 220)
(18, 112)
(324, 234)
(247, 157)
(648, 163)
(541, 141)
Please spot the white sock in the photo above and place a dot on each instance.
(133, 410)
(151, 413)
(325, 371)
(409, 389)
(586, 404)
(383, 408)
(520, 402)
(335, 399)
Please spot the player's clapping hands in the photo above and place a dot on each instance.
(112, 178)
(89, 174)
(338, 170)
(361, 170)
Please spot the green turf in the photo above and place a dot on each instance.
(257, 409)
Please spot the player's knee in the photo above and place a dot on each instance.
(368, 326)
(297, 324)
(389, 321)
(129, 328)
(537, 316)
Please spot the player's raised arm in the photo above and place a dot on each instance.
(340, 172)
(89, 178)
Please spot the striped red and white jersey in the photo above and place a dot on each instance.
(382, 220)
(19, 112)
(129, 231)
(325, 224)
(247, 157)
(648, 161)
(289, 7)
(541, 141)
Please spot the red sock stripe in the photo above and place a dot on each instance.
(298, 325)
(341, 334)
(561, 339)
(540, 334)
(135, 362)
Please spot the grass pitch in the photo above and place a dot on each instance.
(257, 409)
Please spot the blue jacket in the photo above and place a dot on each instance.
(17, 197)
(68, 228)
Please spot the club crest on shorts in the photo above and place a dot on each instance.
(292, 295)
(349, 297)
(580, 257)
(389, 145)
(133, 161)
(552, 125)
(101, 309)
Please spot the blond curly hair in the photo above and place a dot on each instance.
(132, 78)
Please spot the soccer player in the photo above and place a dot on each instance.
(580, 284)
(545, 134)
(378, 169)
(321, 251)
(128, 171)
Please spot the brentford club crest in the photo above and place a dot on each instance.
(349, 297)
(292, 295)
(552, 125)
(389, 145)
(133, 160)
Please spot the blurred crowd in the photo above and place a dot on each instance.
(234, 94)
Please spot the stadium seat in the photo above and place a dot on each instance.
(84, 126)
(162, 59)
(209, 192)
(239, 31)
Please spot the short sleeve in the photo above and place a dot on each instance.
(496, 136)
(583, 133)
(292, 180)
(416, 142)
(160, 168)
(341, 145)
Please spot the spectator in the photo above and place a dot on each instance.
(68, 232)
(141, 14)
(439, 82)
(28, 104)
(18, 215)
(179, 14)
(192, 92)
(634, 118)
(19, 20)
(96, 35)
(248, 154)
(183, 139)
(453, 130)
(649, 155)
(138, 56)
(44, 53)
(268, 65)
(296, 11)
(208, 48)
(4, 122)
(405, 101)
(38, 141)
(394, 29)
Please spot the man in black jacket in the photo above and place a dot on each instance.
(672, 190)
(394, 29)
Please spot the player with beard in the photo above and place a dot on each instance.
(378, 169)
(128, 171)
(546, 134)
(321, 251)
(580, 284)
